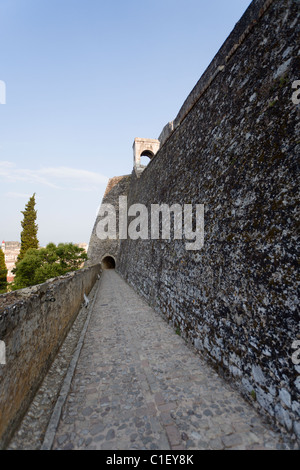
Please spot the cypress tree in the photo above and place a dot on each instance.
(30, 228)
(3, 273)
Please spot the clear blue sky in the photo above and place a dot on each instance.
(83, 79)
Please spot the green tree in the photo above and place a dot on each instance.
(38, 265)
(30, 228)
(3, 273)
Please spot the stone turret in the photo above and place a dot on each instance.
(143, 148)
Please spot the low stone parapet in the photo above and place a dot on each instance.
(33, 324)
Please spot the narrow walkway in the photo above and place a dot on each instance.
(137, 385)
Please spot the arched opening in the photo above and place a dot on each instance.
(147, 153)
(108, 262)
(143, 151)
(144, 160)
(145, 157)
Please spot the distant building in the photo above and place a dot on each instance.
(83, 245)
(11, 251)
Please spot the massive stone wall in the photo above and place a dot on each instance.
(33, 325)
(99, 249)
(234, 148)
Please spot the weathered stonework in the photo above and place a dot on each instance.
(33, 324)
(233, 147)
(100, 249)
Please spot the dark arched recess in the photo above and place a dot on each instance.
(108, 262)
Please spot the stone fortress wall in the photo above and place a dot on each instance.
(234, 147)
(97, 252)
(33, 325)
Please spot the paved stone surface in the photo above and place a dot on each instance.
(31, 432)
(137, 385)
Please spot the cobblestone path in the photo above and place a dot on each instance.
(137, 385)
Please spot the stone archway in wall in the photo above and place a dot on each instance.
(145, 157)
(143, 148)
(108, 262)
